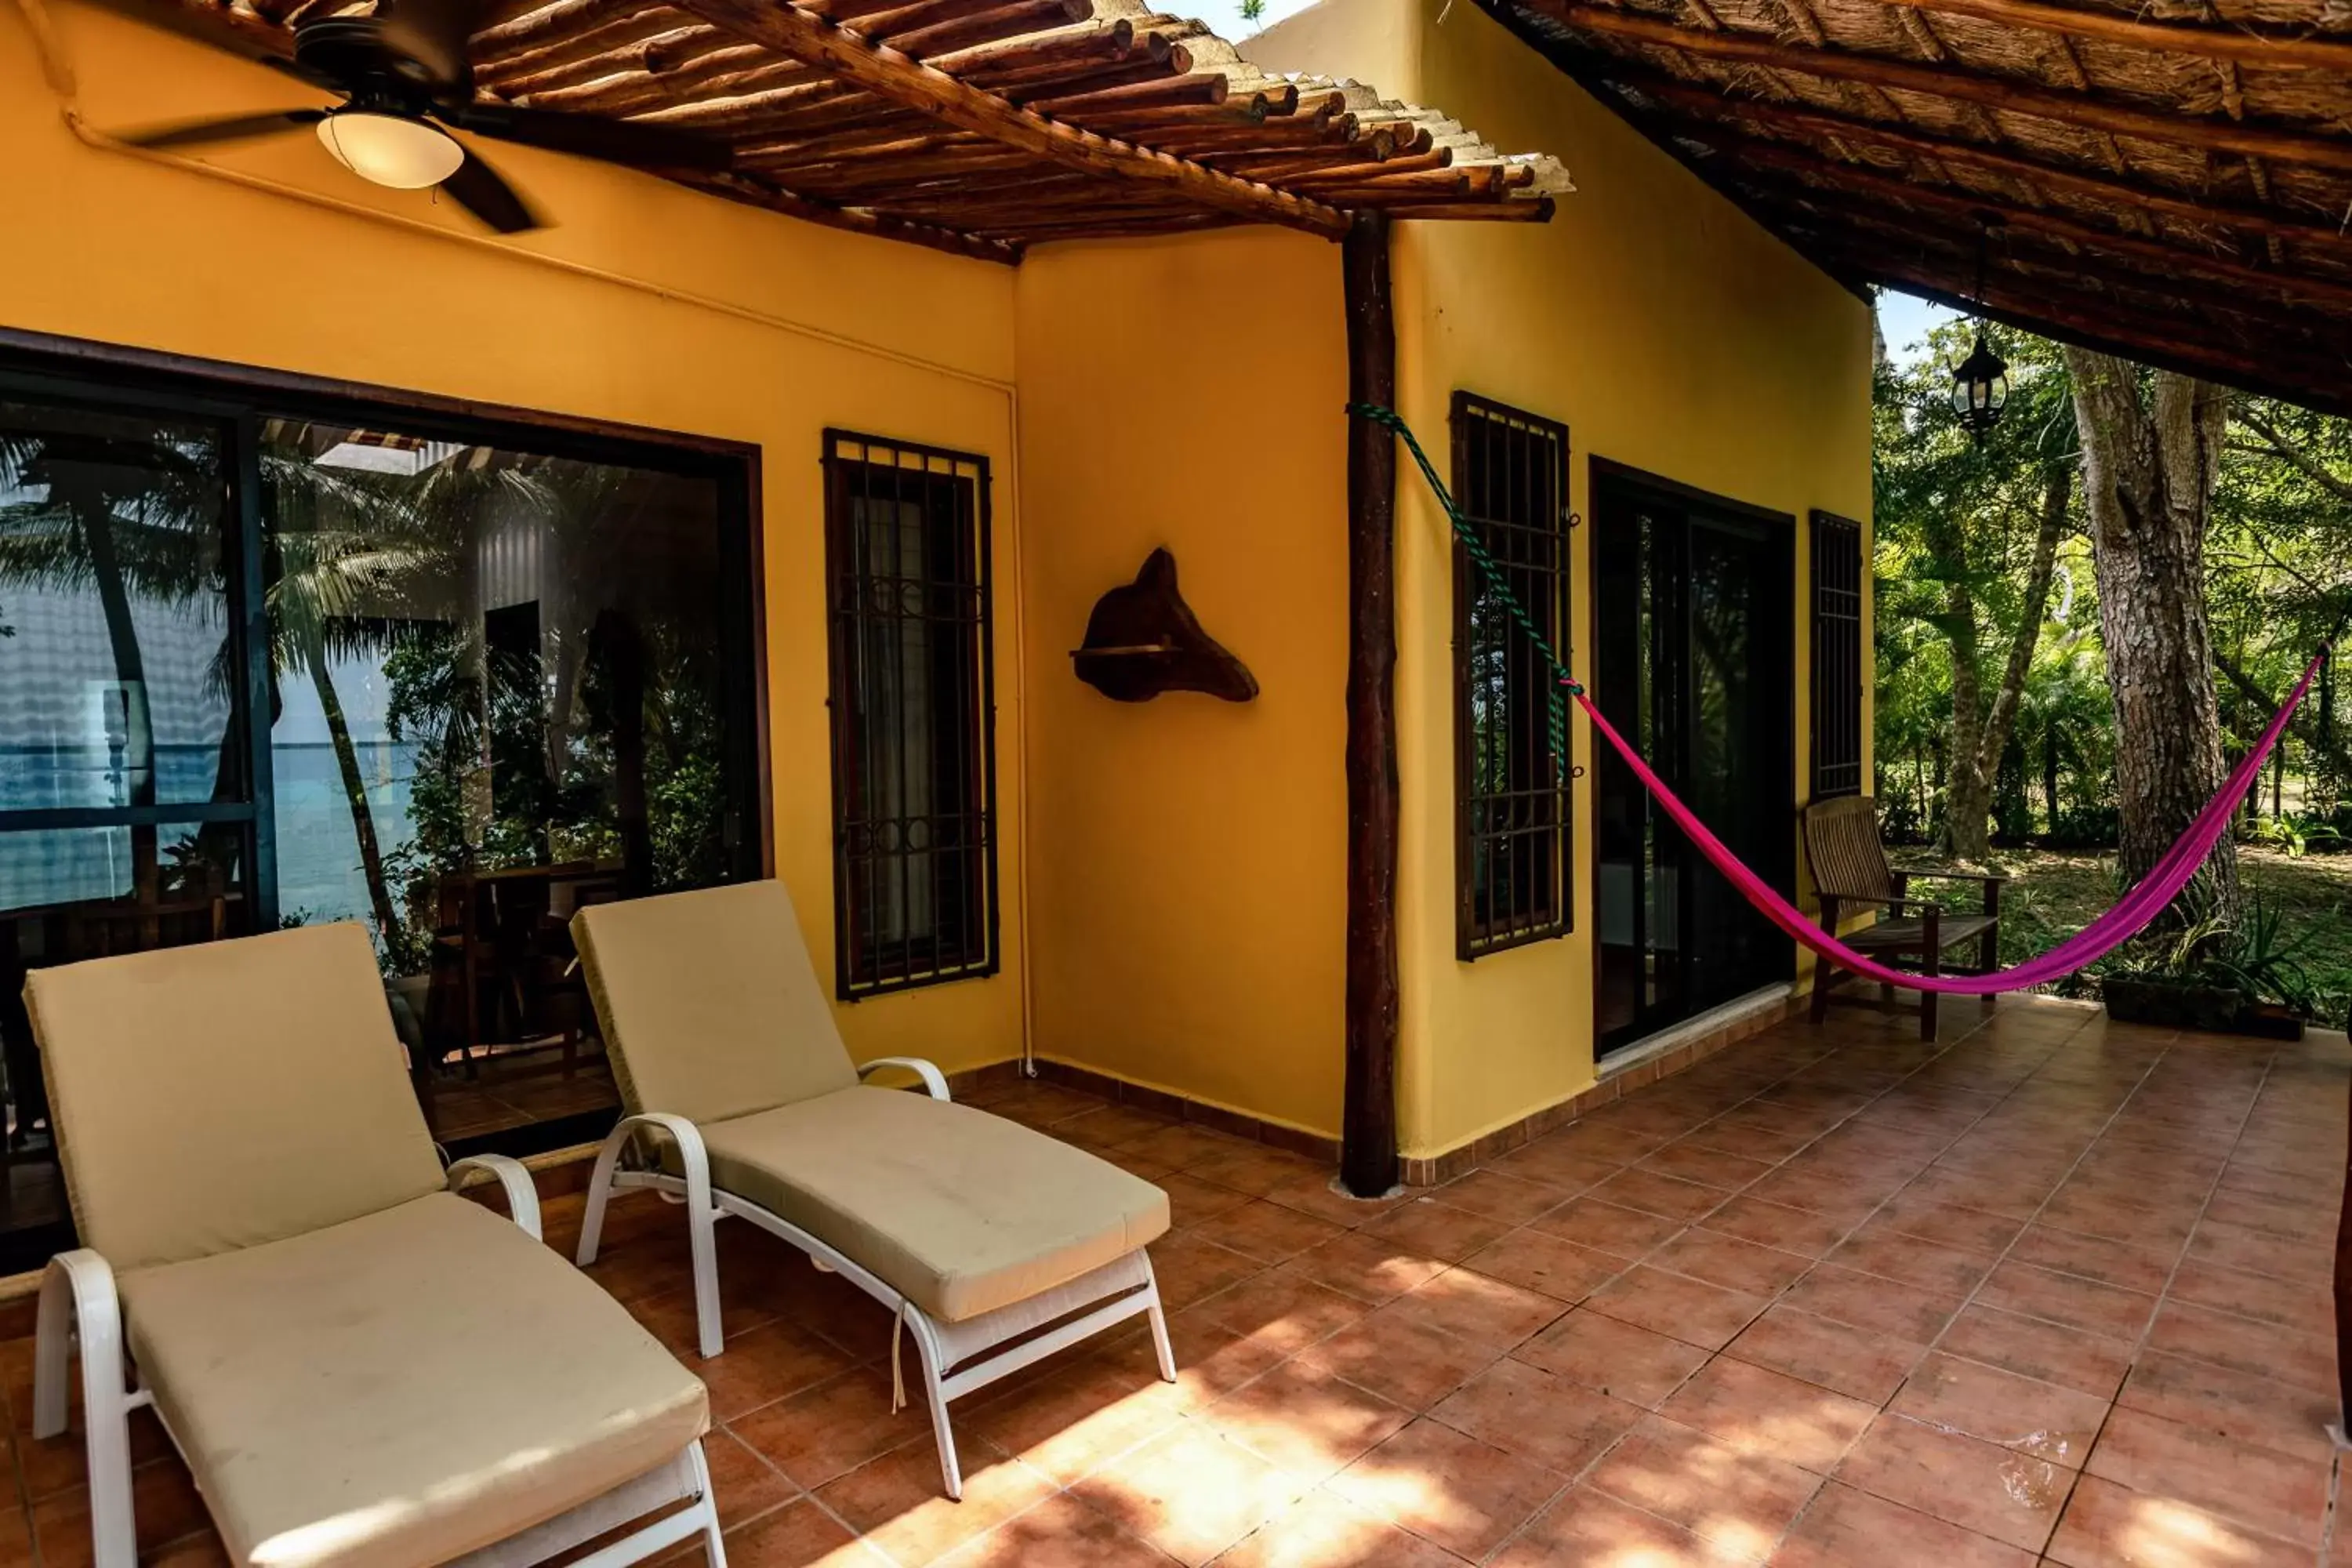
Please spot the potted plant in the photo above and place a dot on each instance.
(2230, 976)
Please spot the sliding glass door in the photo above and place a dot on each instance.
(1693, 661)
(280, 661)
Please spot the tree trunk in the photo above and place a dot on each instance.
(347, 756)
(1967, 788)
(94, 516)
(1981, 730)
(2149, 464)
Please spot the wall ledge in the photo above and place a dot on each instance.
(1662, 1055)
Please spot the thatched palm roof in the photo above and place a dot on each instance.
(2169, 179)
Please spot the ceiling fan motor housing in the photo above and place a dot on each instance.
(355, 53)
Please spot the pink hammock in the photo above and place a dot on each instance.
(2102, 936)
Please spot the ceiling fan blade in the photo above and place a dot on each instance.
(236, 128)
(433, 34)
(480, 190)
(612, 140)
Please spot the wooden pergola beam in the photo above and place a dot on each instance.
(890, 74)
(2170, 259)
(1714, 112)
(2112, 27)
(1952, 82)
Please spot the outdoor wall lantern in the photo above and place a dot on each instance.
(1980, 382)
(1979, 389)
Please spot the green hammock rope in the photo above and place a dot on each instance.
(1564, 684)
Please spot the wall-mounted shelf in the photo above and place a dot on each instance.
(1143, 640)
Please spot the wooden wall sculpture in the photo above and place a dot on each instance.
(1143, 640)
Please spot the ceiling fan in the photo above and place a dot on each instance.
(404, 82)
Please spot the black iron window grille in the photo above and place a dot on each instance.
(1837, 656)
(914, 760)
(1511, 805)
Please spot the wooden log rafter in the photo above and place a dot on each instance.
(1711, 112)
(890, 74)
(738, 187)
(2199, 269)
(1952, 82)
(2160, 310)
(2044, 310)
(2311, 52)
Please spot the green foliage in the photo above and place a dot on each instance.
(1950, 513)
(2292, 944)
(2292, 834)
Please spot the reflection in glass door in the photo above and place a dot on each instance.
(125, 804)
(1694, 660)
(261, 668)
(497, 689)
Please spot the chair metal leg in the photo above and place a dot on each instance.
(702, 1242)
(927, 1350)
(714, 1545)
(1159, 1325)
(600, 1192)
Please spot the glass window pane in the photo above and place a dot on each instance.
(497, 689)
(115, 678)
(909, 600)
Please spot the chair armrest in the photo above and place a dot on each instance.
(522, 1194)
(692, 1157)
(935, 1082)
(79, 1300)
(1985, 877)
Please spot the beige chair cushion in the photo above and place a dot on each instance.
(960, 1211)
(709, 1006)
(401, 1389)
(218, 1097)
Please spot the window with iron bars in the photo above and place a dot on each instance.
(1511, 800)
(913, 699)
(1837, 656)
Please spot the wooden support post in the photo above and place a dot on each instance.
(1367, 1146)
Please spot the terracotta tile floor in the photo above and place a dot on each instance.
(2052, 1290)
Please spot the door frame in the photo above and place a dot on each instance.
(1605, 476)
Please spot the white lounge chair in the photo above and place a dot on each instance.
(361, 1368)
(993, 1244)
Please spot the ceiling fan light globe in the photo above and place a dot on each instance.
(390, 149)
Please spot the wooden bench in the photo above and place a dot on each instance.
(1850, 869)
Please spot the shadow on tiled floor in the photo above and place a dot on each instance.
(2053, 1289)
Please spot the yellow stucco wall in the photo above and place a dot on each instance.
(800, 327)
(1669, 332)
(1189, 853)
(1182, 860)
